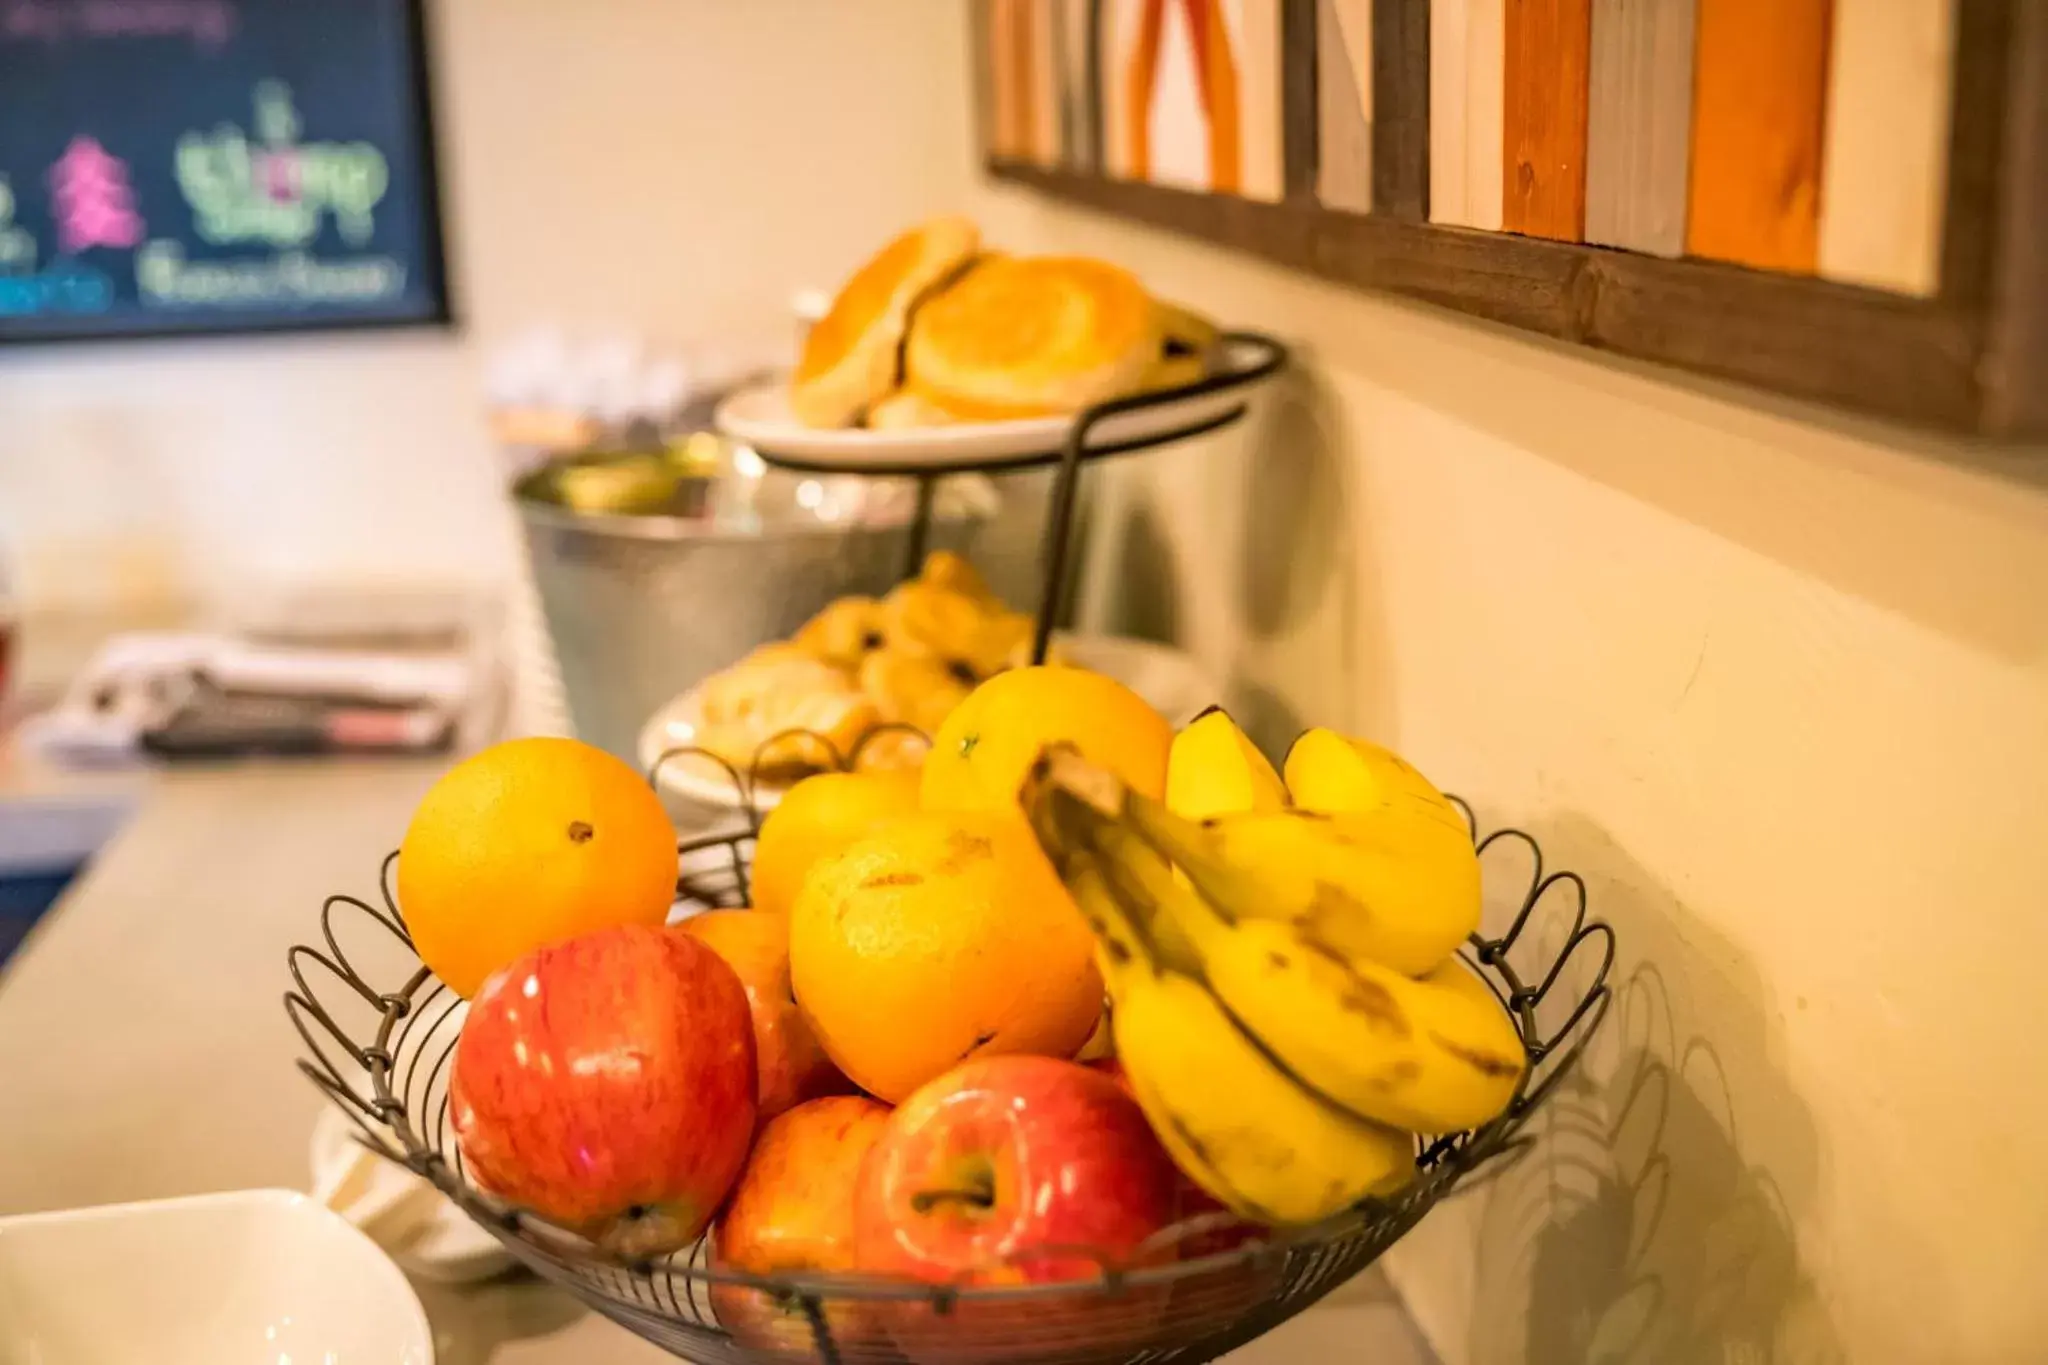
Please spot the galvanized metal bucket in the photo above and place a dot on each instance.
(641, 607)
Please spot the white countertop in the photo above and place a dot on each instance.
(145, 1052)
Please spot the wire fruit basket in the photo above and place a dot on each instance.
(380, 1032)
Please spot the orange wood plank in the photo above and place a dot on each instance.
(1543, 173)
(1759, 105)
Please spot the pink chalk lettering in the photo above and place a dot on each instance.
(207, 24)
(278, 173)
(30, 21)
(93, 202)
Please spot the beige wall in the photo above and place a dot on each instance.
(1779, 689)
(676, 167)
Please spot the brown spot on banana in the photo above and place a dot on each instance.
(1399, 1076)
(1487, 1064)
(887, 879)
(1377, 1004)
(1332, 902)
(1364, 997)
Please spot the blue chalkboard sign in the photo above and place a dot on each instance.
(173, 166)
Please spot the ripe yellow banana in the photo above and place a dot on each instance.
(1243, 1130)
(1431, 1056)
(1341, 775)
(1396, 888)
(1215, 769)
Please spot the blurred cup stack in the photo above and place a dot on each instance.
(551, 395)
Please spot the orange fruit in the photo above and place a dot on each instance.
(939, 938)
(529, 843)
(980, 755)
(792, 1067)
(818, 817)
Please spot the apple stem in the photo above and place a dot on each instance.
(980, 1193)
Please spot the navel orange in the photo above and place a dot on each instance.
(529, 843)
(980, 755)
(818, 817)
(941, 937)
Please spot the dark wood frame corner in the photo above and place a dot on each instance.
(1972, 358)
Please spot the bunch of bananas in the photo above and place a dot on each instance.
(1280, 956)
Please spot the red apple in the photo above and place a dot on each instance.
(1209, 1300)
(793, 1066)
(607, 1084)
(1190, 1200)
(1015, 1170)
(793, 1211)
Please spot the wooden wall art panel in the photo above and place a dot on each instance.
(1834, 199)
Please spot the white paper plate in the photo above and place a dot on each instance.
(760, 416)
(1169, 679)
(414, 1223)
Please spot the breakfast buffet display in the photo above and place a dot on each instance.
(1042, 1018)
(1003, 1017)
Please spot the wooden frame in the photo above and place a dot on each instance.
(1971, 358)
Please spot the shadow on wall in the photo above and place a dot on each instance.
(1302, 575)
(1278, 592)
(1148, 601)
(1654, 1221)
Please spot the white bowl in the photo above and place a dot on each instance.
(259, 1277)
(1169, 679)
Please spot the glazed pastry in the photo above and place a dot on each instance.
(945, 569)
(793, 732)
(891, 750)
(920, 617)
(1004, 642)
(907, 409)
(1187, 347)
(733, 694)
(915, 689)
(859, 667)
(849, 360)
(843, 633)
(1030, 336)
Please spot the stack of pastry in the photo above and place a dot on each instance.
(866, 675)
(934, 331)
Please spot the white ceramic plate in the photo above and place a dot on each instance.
(1168, 678)
(261, 1277)
(760, 416)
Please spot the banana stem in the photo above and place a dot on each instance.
(1061, 766)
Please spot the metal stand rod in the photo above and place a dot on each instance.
(1059, 534)
(1059, 528)
(920, 526)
